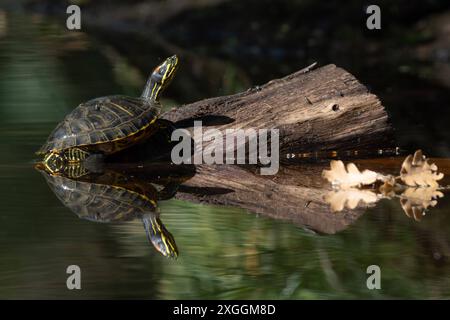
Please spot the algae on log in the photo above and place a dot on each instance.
(326, 109)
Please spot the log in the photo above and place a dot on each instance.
(296, 195)
(326, 109)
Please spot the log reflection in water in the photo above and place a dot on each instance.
(295, 194)
(298, 193)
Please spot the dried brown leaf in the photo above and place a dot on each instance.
(349, 198)
(415, 201)
(416, 171)
(344, 178)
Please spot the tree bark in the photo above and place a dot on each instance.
(326, 109)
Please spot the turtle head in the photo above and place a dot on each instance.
(160, 78)
(158, 235)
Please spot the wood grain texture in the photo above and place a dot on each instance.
(318, 110)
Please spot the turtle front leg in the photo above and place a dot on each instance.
(84, 160)
(76, 154)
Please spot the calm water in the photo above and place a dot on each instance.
(224, 252)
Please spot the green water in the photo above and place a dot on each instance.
(225, 253)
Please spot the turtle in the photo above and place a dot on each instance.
(111, 197)
(107, 125)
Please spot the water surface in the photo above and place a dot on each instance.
(225, 253)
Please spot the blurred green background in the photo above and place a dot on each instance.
(225, 47)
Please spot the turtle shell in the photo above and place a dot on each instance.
(101, 202)
(106, 124)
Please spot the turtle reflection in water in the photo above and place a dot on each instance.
(112, 197)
